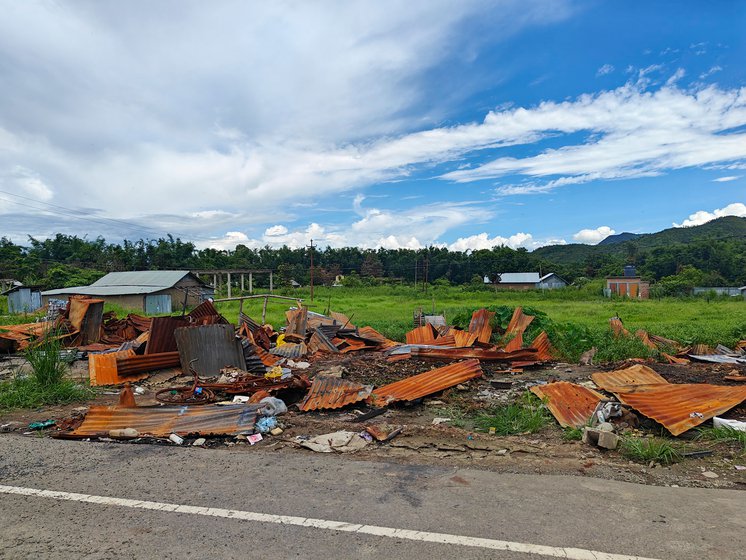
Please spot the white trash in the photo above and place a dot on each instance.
(726, 423)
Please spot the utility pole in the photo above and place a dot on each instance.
(311, 247)
(415, 274)
(427, 266)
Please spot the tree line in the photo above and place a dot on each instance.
(69, 260)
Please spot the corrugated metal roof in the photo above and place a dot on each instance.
(571, 404)
(480, 324)
(333, 392)
(519, 277)
(463, 339)
(105, 290)
(422, 335)
(427, 383)
(142, 278)
(214, 347)
(369, 333)
(102, 368)
(161, 337)
(680, 407)
(623, 379)
(162, 421)
(519, 322)
(290, 350)
(319, 342)
(133, 365)
(485, 355)
(544, 348)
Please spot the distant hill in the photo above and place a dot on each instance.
(728, 227)
(618, 238)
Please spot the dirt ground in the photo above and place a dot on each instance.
(455, 442)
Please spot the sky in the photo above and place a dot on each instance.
(463, 124)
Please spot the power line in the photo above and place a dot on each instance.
(76, 214)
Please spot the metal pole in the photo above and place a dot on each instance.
(229, 283)
(311, 269)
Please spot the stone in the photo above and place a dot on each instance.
(276, 431)
(198, 442)
(605, 427)
(709, 474)
(502, 452)
(608, 440)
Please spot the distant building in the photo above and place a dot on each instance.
(529, 281)
(23, 299)
(154, 292)
(338, 280)
(628, 285)
(719, 290)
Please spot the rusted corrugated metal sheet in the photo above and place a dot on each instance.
(425, 334)
(320, 343)
(290, 350)
(525, 354)
(427, 383)
(371, 334)
(480, 324)
(571, 404)
(102, 368)
(333, 392)
(519, 322)
(645, 338)
(515, 343)
(544, 349)
(161, 337)
(623, 379)
(463, 339)
(163, 421)
(680, 407)
(297, 321)
(214, 347)
(206, 313)
(617, 327)
(133, 365)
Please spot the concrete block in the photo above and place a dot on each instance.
(608, 440)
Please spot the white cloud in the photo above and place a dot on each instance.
(484, 241)
(680, 73)
(727, 178)
(605, 69)
(702, 216)
(275, 230)
(634, 133)
(593, 236)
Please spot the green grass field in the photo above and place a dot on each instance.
(389, 310)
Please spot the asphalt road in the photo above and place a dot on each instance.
(130, 501)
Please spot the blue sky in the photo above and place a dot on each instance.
(392, 124)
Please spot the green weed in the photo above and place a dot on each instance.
(572, 434)
(723, 434)
(528, 415)
(644, 450)
(46, 384)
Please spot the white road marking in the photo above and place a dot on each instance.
(388, 532)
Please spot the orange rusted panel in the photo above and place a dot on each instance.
(463, 339)
(369, 333)
(480, 325)
(543, 347)
(422, 335)
(645, 338)
(519, 322)
(674, 359)
(485, 355)
(427, 383)
(680, 407)
(623, 379)
(333, 392)
(616, 325)
(162, 421)
(515, 343)
(571, 404)
(102, 368)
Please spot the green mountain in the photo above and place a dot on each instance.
(619, 238)
(729, 228)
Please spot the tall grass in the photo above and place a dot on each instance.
(46, 384)
(645, 450)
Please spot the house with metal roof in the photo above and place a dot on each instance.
(151, 291)
(528, 281)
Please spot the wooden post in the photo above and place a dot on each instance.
(270, 281)
(251, 282)
(229, 284)
(264, 311)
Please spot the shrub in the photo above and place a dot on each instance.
(528, 415)
(644, 450)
